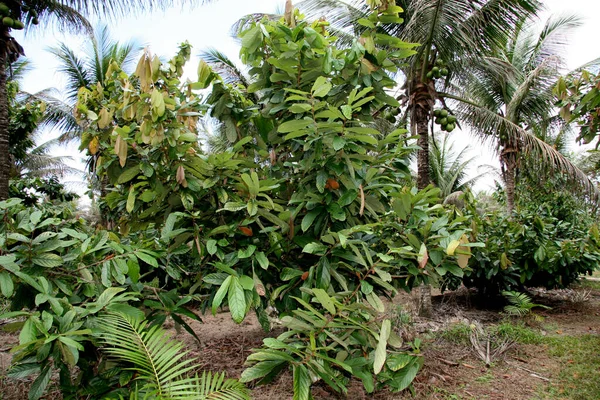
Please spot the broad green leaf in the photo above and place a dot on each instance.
(236, 300)
(221, 293)
(47, 260)
(289, 273)
(348, 197)
(338, 143)
(315, 248)
(262, 259)
(259, 370)
(396, 362)
(325, 300)
(309, 218)
(211, 246)
(129, 174)
(6, 284)
(375, 302)
(247, 252)
(252, 39)
(347, 111)
(302, 382)
(38, 387)
(321, 87)
(380, 351)
(406, 375)
(147, 258)
(294, 125)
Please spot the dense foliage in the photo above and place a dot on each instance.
(307, 211)
(579, 99)
(549, 241)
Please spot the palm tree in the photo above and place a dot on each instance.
(86, 71)
(67, 14)
(448, 169)
(516, 109)
(459, 32)
(38, 162)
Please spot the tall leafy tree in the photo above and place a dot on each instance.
(516, 109)
(459, 32)
(67, 14)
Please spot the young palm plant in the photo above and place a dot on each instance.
(448, 168)
(159, 363)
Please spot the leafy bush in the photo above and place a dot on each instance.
(549, 241)
(58, 275)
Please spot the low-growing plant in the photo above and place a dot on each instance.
(520, 304)
(346, 339)
(154, 366)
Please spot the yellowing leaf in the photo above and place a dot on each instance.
(93, 146)
(144, 71)
(104, 118)
(204, 72)
(463, 260)
(380, 351)
(181, 176)
(121, 150)
(423, 256)
(452, 247)
(158, 103)
(130, 200)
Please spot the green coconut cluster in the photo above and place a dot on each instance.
(445, 119)
(439, 70)
(11, 19)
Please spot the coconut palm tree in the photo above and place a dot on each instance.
(516, 109)
(458, 32)
(84, 71)
(66, 14)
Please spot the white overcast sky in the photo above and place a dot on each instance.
(210, 25)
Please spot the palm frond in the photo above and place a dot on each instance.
(58, 114)
(487, 123)
(73, 67)
(224, 66)
(118, 8)
(161, 366)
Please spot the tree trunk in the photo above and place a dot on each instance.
(508, 160)
(422, 123)
(4, 135)
(422, 101)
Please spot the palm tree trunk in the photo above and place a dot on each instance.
(4, 136)
(508, 160)
(422, 104)
(421, 121)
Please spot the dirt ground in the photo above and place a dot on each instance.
(451, 370)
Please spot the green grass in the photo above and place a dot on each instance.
(519, 333)
(457, 333)
(579, 377)
(584, 283)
